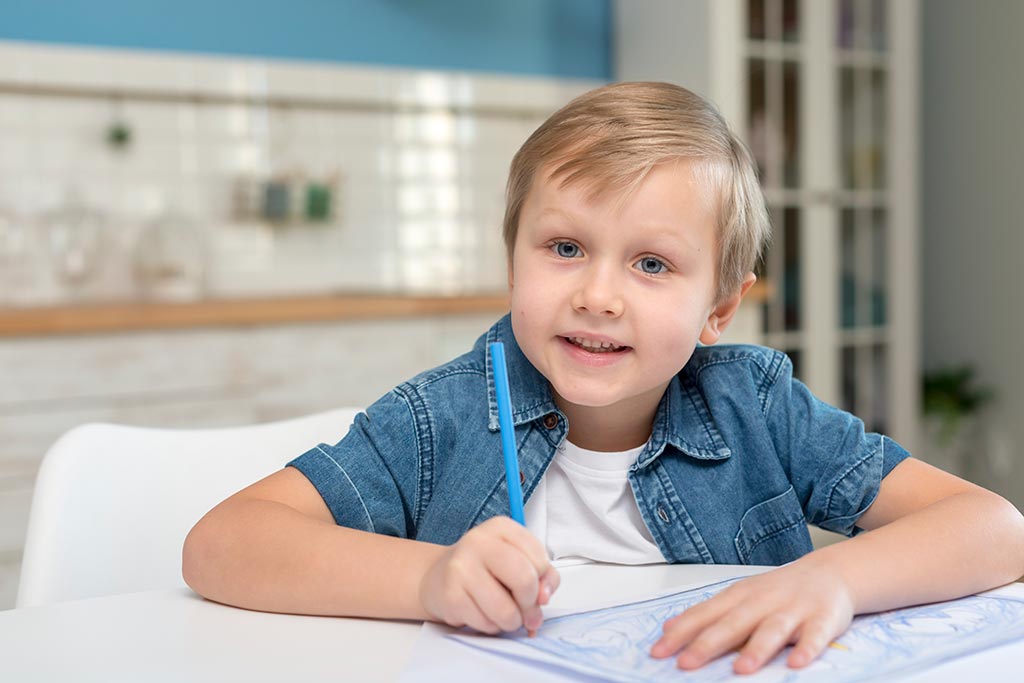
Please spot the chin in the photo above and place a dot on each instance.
(581, 396)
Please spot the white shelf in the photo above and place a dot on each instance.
(880, 102)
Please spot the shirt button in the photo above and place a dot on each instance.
(522, 478)
(662, 514)
(551, 420)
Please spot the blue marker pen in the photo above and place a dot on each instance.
(508, 434)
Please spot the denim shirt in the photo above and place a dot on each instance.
(741, 456)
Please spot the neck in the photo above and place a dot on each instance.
(613, 428)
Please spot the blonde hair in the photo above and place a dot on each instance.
(610, 138)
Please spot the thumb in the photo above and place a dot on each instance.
(533, 617)
(549, 582)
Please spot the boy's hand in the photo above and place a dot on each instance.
(494, 579)
(798, 603)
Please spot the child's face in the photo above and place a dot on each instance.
(639, 275)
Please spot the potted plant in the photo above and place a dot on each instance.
(952, 402)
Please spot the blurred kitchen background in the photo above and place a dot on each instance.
(223, 213)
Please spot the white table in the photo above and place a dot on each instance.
(173, 634)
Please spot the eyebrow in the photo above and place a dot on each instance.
(654, 230)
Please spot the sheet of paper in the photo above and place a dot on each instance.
(613, 643)
(436, 657)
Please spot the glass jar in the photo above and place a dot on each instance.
(74, 233)
(17, 258)
(170, 258)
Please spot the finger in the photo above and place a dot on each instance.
(515, 572)
(469, 614)
(680, 630)
(517, 536)
(533, 618)
(814, 638)
(684, 627)
(496, 603)
(713, 607)
(767, 640)
(549, 583)
(721, 637)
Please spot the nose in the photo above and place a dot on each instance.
(598, 293)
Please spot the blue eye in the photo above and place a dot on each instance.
(566, 249)
(651, 265)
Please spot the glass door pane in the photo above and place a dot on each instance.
(756, 20)
(781, 267)
(863, 210)
(879, 127)
(775, 135)
(790, 21)
(865, 383)
(848, 268)
(863, 268)
(879, 267)
(861, 25)
(791, 123)
(847, 126)
(774, 83)
(757, 115)
(791, 269)
(862, 127)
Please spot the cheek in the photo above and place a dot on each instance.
(518, 302)
(675, 326)
(528, 292)
(528, 331)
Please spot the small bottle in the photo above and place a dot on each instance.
(17, 258)
(170, 260)
(277, 200)
(75, 233)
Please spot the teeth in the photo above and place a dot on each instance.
(591, 345)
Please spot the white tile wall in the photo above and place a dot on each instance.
(408, 180)
(418, 205)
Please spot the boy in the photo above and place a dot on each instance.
(633, 223)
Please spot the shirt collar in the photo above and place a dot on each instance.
(682, 419)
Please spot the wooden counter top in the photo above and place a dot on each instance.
(15, 322)
(120, 317)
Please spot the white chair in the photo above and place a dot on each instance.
(112, 504)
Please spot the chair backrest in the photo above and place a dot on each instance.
(112, 504)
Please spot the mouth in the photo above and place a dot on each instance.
(596, 346)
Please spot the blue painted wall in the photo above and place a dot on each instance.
(567, 38)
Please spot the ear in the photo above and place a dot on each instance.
(723, 313)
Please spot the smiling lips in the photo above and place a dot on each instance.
(594, 345)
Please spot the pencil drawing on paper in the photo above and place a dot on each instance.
(613, 643)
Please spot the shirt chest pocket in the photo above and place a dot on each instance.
(773, 532)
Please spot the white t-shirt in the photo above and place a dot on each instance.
(584, 508)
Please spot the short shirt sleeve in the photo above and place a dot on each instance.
(368, 479)
(836, 468)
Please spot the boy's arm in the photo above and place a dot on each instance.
(275, 547)
(933, 537)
